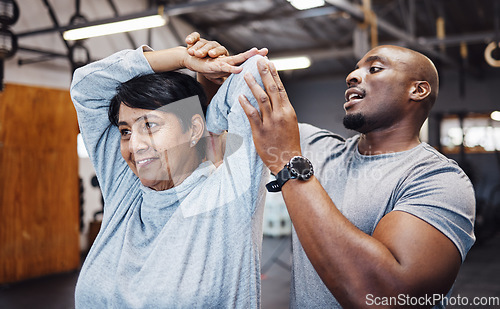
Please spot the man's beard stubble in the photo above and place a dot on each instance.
(354, 121)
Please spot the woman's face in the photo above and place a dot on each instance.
(156, 148)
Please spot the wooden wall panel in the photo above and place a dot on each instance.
(39, 183)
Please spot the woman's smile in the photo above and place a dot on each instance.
(145, 162)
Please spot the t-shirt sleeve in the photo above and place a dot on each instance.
(443, 196)
(244, 170)
(92, 88)
(311, 135)
(320, 146)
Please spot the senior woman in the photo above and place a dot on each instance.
(177, 231)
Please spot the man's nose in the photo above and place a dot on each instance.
(354, 78)
(138, 142)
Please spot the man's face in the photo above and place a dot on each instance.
(377, 91)
(155, 146)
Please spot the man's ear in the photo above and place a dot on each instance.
(420, 90)
(197, 128)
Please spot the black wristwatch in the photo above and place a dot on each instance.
(298, 168)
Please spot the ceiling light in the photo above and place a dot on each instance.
(115, 27)
(306, 4)
(495, 115)
(291, 63)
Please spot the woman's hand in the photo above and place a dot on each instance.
(216, 69)
(212, 59)
(201, 48)
(206, 57)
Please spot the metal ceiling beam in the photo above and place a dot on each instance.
(325, 53)
(456, 40)
(318, 53)
(192, 7)
(45, 55)
(311, 13)
(44, 52)
(53, 17)
(172, 10)
(115, 11)
(357, 12)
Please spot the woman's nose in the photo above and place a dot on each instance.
(138, 143)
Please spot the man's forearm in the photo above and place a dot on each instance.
(350, 262)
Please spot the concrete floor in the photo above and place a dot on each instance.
(479, 277)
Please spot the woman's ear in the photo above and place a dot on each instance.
(420, 90)
(197, 128)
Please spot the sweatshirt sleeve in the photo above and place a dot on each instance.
(245, 171)
(92, 88)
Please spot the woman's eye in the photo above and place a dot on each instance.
(150, 125)
(124, 132)
(375, 69)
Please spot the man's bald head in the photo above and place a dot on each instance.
(418, 67)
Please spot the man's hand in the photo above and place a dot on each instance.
(275, 131)
(212, 59)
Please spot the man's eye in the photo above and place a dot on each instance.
(375, 69)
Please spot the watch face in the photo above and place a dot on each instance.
(301, 167)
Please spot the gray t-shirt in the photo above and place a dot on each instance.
(419, 181)
(197, 245)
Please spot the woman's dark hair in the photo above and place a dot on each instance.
(153, 91)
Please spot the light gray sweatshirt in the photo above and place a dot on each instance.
(197, 245)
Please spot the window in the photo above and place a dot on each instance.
(479, 133)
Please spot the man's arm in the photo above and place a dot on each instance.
(405, 255)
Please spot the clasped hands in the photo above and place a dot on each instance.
(212, 60)
(275, 129)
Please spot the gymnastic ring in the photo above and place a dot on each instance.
(487, 54)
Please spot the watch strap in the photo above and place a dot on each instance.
(281, 178)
